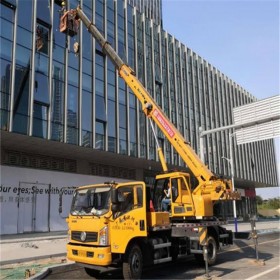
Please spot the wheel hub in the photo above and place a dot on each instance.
(135, 263)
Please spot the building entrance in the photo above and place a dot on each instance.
(33, 207)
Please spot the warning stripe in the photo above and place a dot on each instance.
(202, 235)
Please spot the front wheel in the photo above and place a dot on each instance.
(211, 250)
(133, 263)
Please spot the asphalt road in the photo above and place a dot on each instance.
(234, 262)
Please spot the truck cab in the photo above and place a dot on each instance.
(181, 202)
(103, 219)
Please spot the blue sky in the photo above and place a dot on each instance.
(240, 38)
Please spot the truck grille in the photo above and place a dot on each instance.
(90, 236)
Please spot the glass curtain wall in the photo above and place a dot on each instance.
(59, 51)
(133, 151)
(122, 88)
(87, 81)
(23, 59)
(6, 41)
(100, 102)
(140, 71)
(111, 80)
(48, 91)
(149, 82)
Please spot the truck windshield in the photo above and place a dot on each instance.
(91, 201)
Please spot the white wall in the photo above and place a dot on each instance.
(24, 198)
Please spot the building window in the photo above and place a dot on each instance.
(44, 10)
(123, 129)
(41, 93)
(40, 114)
(100, 112)
(25, 14)
(100, 135)
(42, 39)
(21, 99)
(57, 118)
(87, 119)
(112, 141)
(72, 115)
(133, 132)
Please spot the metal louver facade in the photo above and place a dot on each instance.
(263, 118)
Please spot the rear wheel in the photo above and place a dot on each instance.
(133, 263)
(211, 251)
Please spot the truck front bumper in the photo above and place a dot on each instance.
(91, 255)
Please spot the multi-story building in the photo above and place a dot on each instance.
(151, 9)
(69, 120)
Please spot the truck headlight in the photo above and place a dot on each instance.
(103, 236)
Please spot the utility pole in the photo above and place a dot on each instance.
(230, 161)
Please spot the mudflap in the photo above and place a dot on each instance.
(230, 237)
(242, 235)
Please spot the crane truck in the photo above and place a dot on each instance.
(123, 224)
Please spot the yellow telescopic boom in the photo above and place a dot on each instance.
(207, 181)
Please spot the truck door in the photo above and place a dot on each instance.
(130, 220)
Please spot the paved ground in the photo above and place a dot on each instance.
(237, 261)
(44, 249)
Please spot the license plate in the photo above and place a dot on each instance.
(82, 254)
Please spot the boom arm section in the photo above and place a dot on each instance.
(207, 181)
(150, 108)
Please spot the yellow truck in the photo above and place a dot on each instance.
(123, 224)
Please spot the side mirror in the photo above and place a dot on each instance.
(114, 196)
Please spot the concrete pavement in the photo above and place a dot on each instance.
(20, 248)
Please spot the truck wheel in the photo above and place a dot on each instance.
(133, 263)
(212, 252)
(91, 272)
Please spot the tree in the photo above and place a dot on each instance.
(274, 203)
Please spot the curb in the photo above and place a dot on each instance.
(45, 271)
(268, 231)
(247, 234)
(32, 259)
(32, 239)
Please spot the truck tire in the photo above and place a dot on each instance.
(91, 272)
(133, 263)
(212, 249)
